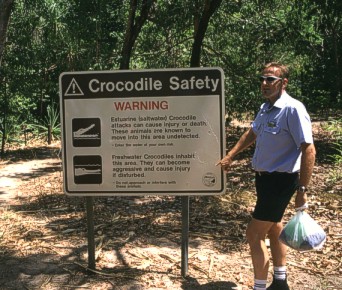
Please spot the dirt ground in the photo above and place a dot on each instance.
(43, 232)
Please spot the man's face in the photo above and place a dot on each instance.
(271, 88)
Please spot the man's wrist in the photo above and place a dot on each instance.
(229, 156)
(302, 189)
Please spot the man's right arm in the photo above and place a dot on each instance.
(246, 140)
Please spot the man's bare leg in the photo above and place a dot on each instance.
(278, 249)
(256, 234)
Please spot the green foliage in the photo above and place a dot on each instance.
(50, 122)
(334, 127)
(10, 130)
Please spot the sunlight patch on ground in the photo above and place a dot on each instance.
(6, 182)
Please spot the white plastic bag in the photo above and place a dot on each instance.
(303, 233)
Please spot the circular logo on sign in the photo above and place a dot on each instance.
(209, 179)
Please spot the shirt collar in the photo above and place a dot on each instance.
(280, 102)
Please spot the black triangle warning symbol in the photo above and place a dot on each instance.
(74, 89)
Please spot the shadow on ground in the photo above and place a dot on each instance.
(193, 284)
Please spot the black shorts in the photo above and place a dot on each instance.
(274, 192)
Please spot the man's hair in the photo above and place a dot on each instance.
(284, 71)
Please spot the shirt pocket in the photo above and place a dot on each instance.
(272, 129)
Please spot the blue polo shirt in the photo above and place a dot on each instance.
(280, 131)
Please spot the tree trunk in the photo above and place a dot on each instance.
(3, 126)
(210, 6)
(5, 12)
(337, 57)
(133, 29)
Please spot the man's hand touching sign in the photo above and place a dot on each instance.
(225, 162)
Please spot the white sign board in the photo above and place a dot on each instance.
(143, 132)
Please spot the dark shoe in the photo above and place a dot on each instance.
(278, 285)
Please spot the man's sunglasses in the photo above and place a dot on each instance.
(268, 79)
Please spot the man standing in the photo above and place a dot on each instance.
(283, 161)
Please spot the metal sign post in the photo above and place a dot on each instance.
(90, 232)
(143, 132)
(185, 236)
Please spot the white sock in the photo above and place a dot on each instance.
(260, 284)
(280, 273)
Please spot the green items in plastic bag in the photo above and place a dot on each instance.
(303, 233)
